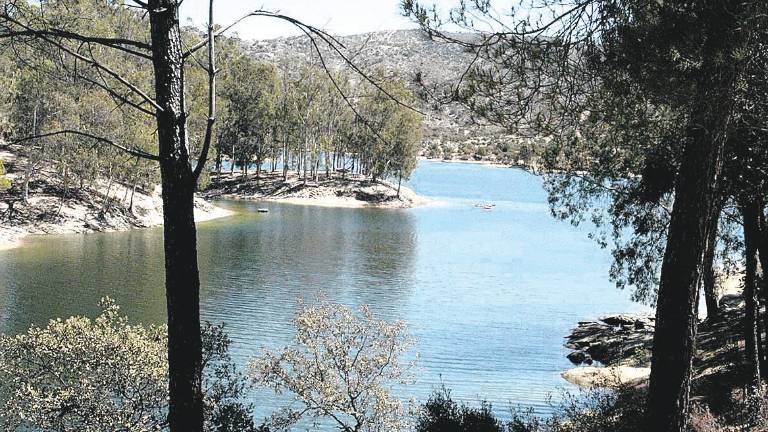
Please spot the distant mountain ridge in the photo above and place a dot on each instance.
(450, 131)
(404, 51)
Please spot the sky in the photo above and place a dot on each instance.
(341, 17)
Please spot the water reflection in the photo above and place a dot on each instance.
(488, 295)
(254, 270)
(59, 276)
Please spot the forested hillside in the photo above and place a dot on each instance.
(70, 137)
(451, 130)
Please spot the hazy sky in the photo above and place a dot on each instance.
(338, 16)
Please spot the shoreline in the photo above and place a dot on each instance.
(12, 237)
(525, 167)
(352, 191)
(615, 350)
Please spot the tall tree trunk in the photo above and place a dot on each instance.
(750, 212)
(29, 169)
(218, 159)
(274, 161)
(285, 157)
(182, 283)
(232, 162)
(316, 168)
(27, 177)
(762, 291)
(107, 199)
(674, 339)
(133, 192)
(258, 168)
(305, 162)
(708, 278)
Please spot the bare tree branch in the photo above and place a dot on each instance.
(333, 43)
(114, 43)
(94, 63)
(131, 151)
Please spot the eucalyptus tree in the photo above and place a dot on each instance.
(34, 107)
(8, 77)
(288, 115)
(403, 132)
(252, 96)
(308, 89)
(392, 143)
(334, 114)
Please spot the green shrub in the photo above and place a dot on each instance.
(105, 374)
(587, 411)
(442, 414)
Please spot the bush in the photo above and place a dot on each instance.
(104, 375)
(442, 414)
(342, 366)
(588, 411)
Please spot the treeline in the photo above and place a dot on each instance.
(316, 122)
(297, 120)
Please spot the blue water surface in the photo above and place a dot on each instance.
(488, 295)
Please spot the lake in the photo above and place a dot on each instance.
(489, 295)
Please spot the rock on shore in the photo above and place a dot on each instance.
(616, 350)
(609, 376)
(618, 339)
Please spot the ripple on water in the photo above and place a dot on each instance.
(489, 295)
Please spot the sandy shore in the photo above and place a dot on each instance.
(468, 161)
(12, 237)
(211, 214)
(83, 212)
(349, 192)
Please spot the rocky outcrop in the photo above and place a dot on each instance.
(616, 350)
(611, 376)
(612, 340)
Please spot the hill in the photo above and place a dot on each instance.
(451, 132)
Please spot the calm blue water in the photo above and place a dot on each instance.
(488, 295)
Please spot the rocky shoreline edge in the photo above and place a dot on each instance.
(615, 350)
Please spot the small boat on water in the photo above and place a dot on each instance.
(262, 210)
(485, 206)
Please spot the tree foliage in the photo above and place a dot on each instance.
(106, 374)
(342, 366)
